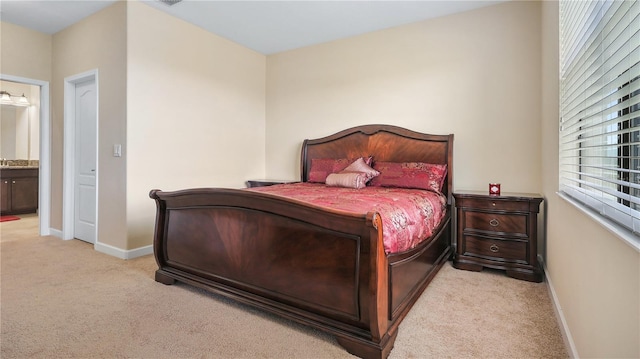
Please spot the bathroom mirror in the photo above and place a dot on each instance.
(19, 125)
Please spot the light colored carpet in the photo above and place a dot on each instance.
(62, 299)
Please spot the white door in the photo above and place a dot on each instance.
(85, 161)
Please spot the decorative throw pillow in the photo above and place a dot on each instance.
(322, 167)
(360, 165)
(348, 179)
(410, 175)
(356, 175)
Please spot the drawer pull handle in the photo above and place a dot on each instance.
(494, 248)
(493, 204)
(494, 222)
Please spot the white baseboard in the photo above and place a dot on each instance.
(562, 322)
(122, 253)
(55, 232)
(111, 250)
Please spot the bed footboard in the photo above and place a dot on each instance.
(321, 268)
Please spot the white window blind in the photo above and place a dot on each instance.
(600, 107)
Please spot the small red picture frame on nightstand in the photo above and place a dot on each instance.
(494, 189)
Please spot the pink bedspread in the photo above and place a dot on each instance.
(408, 215)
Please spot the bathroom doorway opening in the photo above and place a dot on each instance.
(43, 148)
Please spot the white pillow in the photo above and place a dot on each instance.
(347, 179)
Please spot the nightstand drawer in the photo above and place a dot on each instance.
(507, 251)
(493, 204)
(514, 224)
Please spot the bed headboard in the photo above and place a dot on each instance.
(385, 143)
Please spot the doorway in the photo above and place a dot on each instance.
(80, 178)
(44, 163)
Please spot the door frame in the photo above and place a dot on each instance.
(44, 180)
(68, 190)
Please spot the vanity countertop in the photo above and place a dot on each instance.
(17, 167)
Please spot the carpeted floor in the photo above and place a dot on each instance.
(62, 299)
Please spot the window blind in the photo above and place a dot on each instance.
(600, 107)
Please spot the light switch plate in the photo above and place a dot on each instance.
(117, 150)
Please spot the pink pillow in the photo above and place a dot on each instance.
(322, 167)
(348, 179)
(361, 166)
(410, 175)
(356, 175)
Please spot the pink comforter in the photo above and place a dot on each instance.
(408, 215)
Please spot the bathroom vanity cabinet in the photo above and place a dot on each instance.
(18, 190)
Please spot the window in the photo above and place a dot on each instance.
(600, 107)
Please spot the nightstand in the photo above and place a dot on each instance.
(498, 232)
(266, 182)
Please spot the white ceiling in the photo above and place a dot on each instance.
(264, 26)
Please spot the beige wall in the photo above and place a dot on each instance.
(196, 113)
(486, 77)
(27, 54)
(596, 275)
(24, 52)
(475, 74)
(97, 42)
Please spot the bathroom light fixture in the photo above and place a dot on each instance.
(7, 99)
(22, 101)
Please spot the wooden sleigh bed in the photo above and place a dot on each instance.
(320, 267)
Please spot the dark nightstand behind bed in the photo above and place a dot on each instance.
(266, 182)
